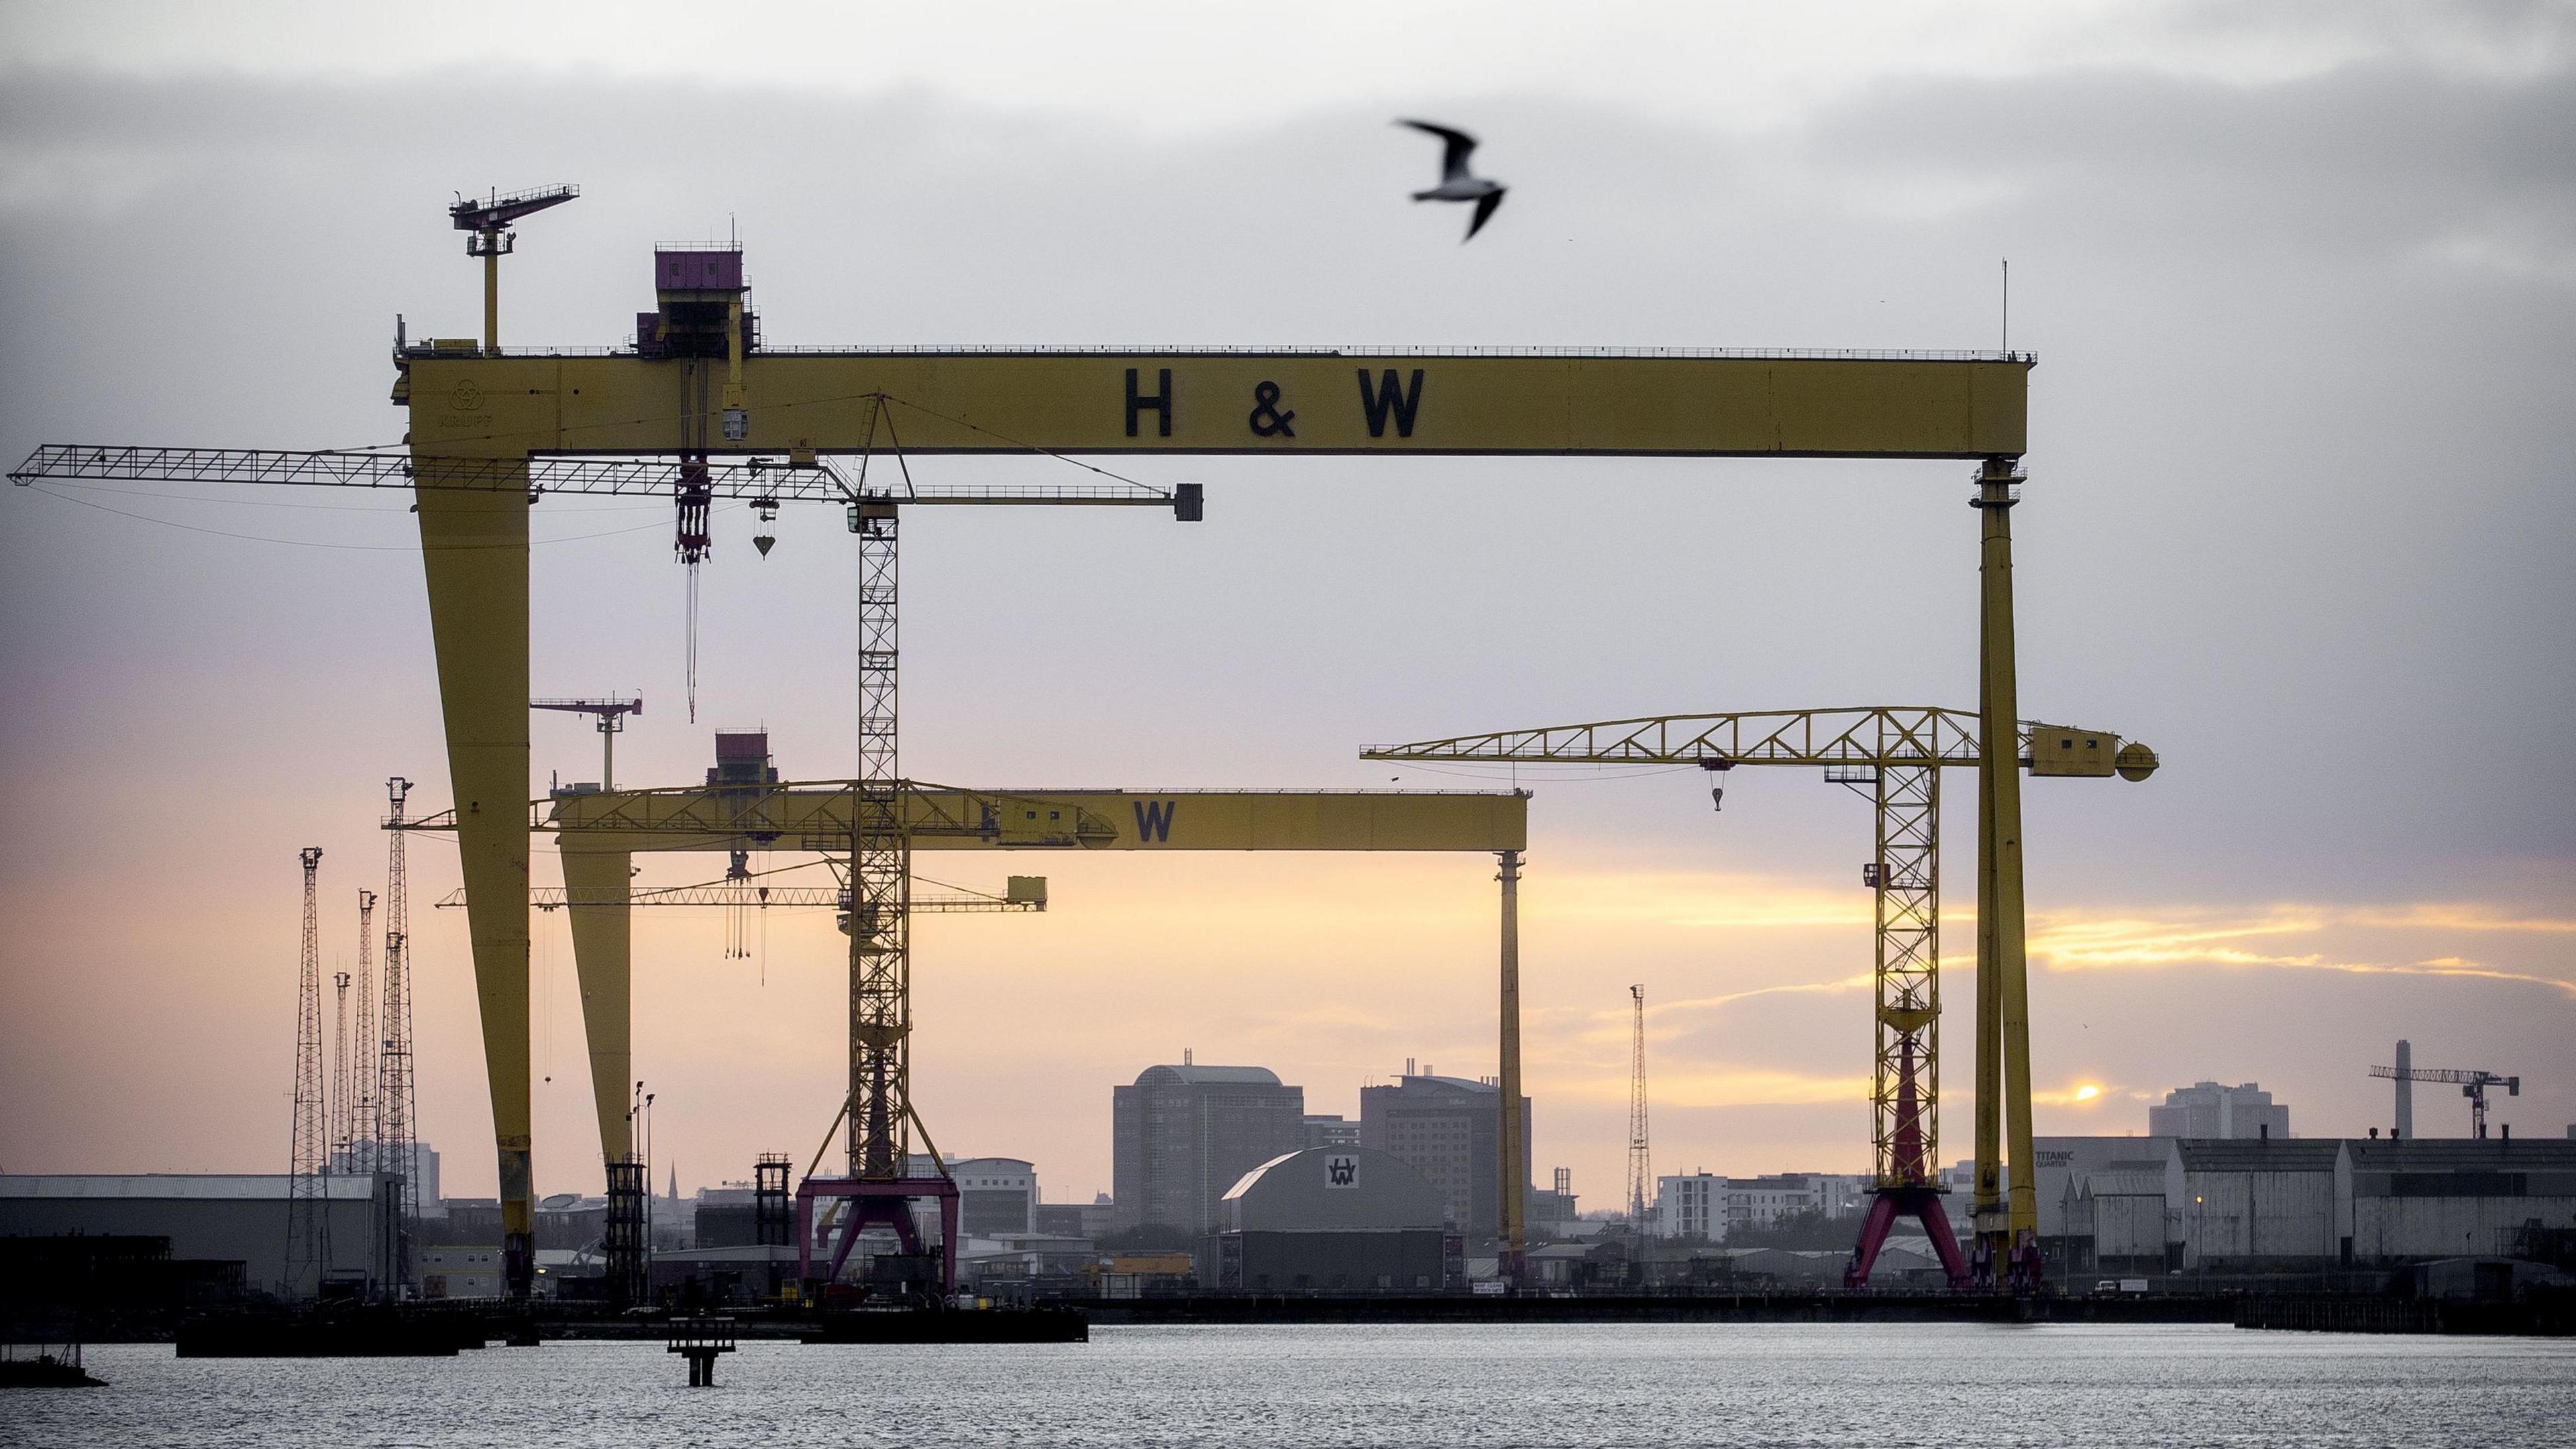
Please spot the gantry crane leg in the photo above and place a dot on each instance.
(2007, 1224)
(1513, 1198)
(474, 550)
(602, 943)
(599, 884)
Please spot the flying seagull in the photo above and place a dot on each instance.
(1455, 183)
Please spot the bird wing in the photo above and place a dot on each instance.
(1485, 205)
(1454, 148)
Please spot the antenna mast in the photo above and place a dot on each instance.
(396, 1102)
(335, 1132)
(308, 1223)
(359, 1125)
(1641, 1170)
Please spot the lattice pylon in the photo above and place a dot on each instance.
(335, 1131)
(361, 1127)
(397, 1097)
(308, 1220)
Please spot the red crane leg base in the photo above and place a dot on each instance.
(877, 1202)
(1921, 1202)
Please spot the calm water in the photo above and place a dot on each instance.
(1648, 1384)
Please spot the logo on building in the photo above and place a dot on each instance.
(1341, 1170)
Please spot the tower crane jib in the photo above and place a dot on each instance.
(1894, 754)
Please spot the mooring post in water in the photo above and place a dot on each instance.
(700, 1340)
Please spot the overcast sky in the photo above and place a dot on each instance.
(2302, 284)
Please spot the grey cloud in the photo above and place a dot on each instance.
(2374, 160)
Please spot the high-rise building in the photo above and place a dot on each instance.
(2207, 1109)
(1449, 1129)
(1182, 1136)
(1691, 1205)
(1332, 1131)
(1760, 1202)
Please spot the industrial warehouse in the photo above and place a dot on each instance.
(1401, 1204)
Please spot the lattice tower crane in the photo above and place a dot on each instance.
(2472, 1083)
(1895, 754)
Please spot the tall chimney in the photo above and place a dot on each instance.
(2405, 1090)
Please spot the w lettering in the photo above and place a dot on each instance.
(1154, 820)
(1382, 399)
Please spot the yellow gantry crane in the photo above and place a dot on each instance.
(1896, 755)
(695, 409)
(598, 833)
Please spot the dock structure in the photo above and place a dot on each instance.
(699, 1340)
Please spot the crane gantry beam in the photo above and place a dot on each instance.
(752, 480)
(733, 893)
(1897, 754)
(598, 833)
(490, 432)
